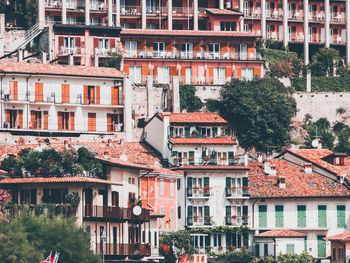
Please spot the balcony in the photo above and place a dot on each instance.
(97, 6)
(103, 52)
(65, 51)
(198, 192)
(199, 221)
(236, 221)
(210, 161)
(53, 3)
(237, 192)
(110, 249)
(49, 210)
(130, 11)
(114, 214)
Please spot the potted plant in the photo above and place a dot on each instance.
(206, 189)
(195, 189)
(196, 218)
(221, 248)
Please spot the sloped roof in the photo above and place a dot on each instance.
(66, 70)
(339, 237)
(195, 117)
(216, 11)
(281, 233)
(46, 180)
(298, 184)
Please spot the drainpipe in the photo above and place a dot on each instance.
(185, 214)
(275, 247)
(27, 84)
(253, 225)
(2, 93)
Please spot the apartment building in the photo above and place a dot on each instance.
(67, 100)
(214, 190)
(200, 42)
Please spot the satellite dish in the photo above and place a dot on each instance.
(315, 143)
(137, 210)
(123, 157)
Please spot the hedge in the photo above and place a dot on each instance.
(325, 84)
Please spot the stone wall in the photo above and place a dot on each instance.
(12, 39)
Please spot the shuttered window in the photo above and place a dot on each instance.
(322, 216)
(262, 216)
(39, 96)
(65, 93)
(301, 215)
(341, 216)
(279, 215)
(91, 121)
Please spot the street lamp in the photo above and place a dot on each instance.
(103, 239)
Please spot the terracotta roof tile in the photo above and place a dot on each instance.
(195, 117)
(281, 233)
(121, 163)
(298, 184)
(45, 180)
(48, 69)
(216, 11)
(340, 237)
(203, 141)
(210, 167)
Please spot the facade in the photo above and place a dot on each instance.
(301, 195)
(66, 100)
(198, 42)
(214, 190)
(340, 245)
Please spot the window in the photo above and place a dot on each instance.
(172, 187)
(301, 215)
(172, 218)
(340, 253)
(14, 119)
(94, 21)
(158, 49)
(219, 75)
(322, 216)
(91, 94)
(39, 119)
(150, 6)
(247, 73)
(69, 42)
(163, 75)
(65, 93)
(162, 219)
(161, 182)
(243, 51)
(103, 43)
(71, 20)
(290, 249)
(279, 216)
(341, 216)
(39, 90)
(91, 121)
(187, 50)
(188, 75)
(115, 199)
(262, 216)
(28, 196)
(114, 122)
(245, 8)
(65, 120)
(155, 238)
(131, 48)
(228, 26)
(115, 95)
(135, 74)
(54, 195)
(178, 182)
(179, 212)
(266, 249)
(334, 254)
(214, 50)
(13, 90)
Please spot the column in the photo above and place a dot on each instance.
(195, 14)
(143, 16)
(170, 14)
(285, 23)
(306, 44)
(87, 12)
(241, 22)
(221, 4)
(127, 108)
(110, 10)
(41, 15)
(263, 19)
(348, 32)
(117, 10)
(64, 12)
(326, 8)
(176, 94)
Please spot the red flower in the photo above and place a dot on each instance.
(165, 248)
(37, 171)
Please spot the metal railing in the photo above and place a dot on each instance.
(198, 220)
(237, 192)
(108, 212)
(112, 249)
(199, 192)
(53, 3)
(209, 161)
(236, 221)
(130, 10)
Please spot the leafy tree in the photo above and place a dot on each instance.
(20, 13)
(114, 61)
(181, 240)
(322, 129)
(188, 99)
(324, 61)
(259, 110)
(287, 258)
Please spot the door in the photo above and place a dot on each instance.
(268, 11)
(310, 11)
(244, 51)
(188, 75)
(91, 121)
(88, 202)
(245, 8)
(321, 250)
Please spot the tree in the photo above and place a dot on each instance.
(188, 99)
(287, 258)
(3, 196)
(28, 238)
(260, 112)
(113, 62)
(324, 61)
(319, 129)
(181, 240)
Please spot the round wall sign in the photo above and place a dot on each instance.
(137, 210)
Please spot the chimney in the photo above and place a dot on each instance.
(281, 182)
(267, 168)
(308, 168)
(273, 170)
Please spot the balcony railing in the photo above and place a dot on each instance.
(199, 192)
(114, 213)
(53, 3)
(71, 51)
(237, 192)
(241, 161)
(130, 10)
(199, 220)
(111, 249)
(236, 221)
(50, 210)
(103, 52)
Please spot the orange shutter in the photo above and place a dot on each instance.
(13, 90)
(72, 121)
(39, 92)
(109, 122)
(115, 95)
(144, 70)
(173, 71)
(91, 121)
(59, 118)
(65, 93)
(46, 120)
(98, 89)
(211, 71)
(86, 94)
(20, 118)
(239, 73)
(32, 119)
(7, 115)
(257, 72)
(155, 71)
(228, 72)
(126, 69)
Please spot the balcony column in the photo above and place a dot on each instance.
(117, 10)
(221, 4)
(348, 32)
(143, 15)
(170, 15)
(241, 22)
(285, 23)
(87, 12)
(127, 88)
(263, 19)
(306, 45)
(326, 8)
(110, 9)
(195, 14)
(64, 11)
(41, 15)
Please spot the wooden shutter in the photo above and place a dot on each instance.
(206, 211)
(91, 121)
(279, 216)
(86, 87)
(115, 95)
(46, 120)
(262, 216)
(322, 216)
(239, 73)
(228, 182)
(13, 90)
(341, 216)
(60, 41)
(112, 43)
(228, 211)
(77, 42)
(173, 71)
(7, 115)
(39, 92)
(228, 72)
(155, 71)
(171, 132)
(109, 122)
(65, 93)
(189, 213)
(301, 216)
(206, 181)
(20, 118)
(59, 120)
(32, 119)
(144, 70)
(256, 72)
(98, 90)
(95, 43)
(72, 121)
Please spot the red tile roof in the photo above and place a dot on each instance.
(210, 167)
(190, 33)
(340, 237)
(216, 11)
(121, 163)
(203, 141)
(48, 69)
(298, 184)
(195, 117)
(281, 233)
(162, 170)
(47, 180)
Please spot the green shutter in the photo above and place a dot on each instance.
(341, 216)
(290, 249)
(191, 157)
(262, 216)
(171, 132)
(230, 158)
(305, 244)
(189, 211)
(321, 250)
(322, 216)
(189, 186)
(266, 249)
(206, 181)
(257, 250)
(228, 182)
(228, 211)
(207, 240)
(245, 239)
(215, 131)
(245, 181)
(279, 215)
(245, 211)
(301, 216)
(187, 132)
(206, 211)
(228, 239)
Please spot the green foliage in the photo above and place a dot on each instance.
(181, 239)
(28, 238)
(20, 13)
(324, 61)
(343, 133)
(219, 229)
(73, 199)
(260, 111)
(243, 255)
(114, 61)
(325, 84)
(302, 258)
(321, 129)
(50, 162)
(169, 257)
(188, 99)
